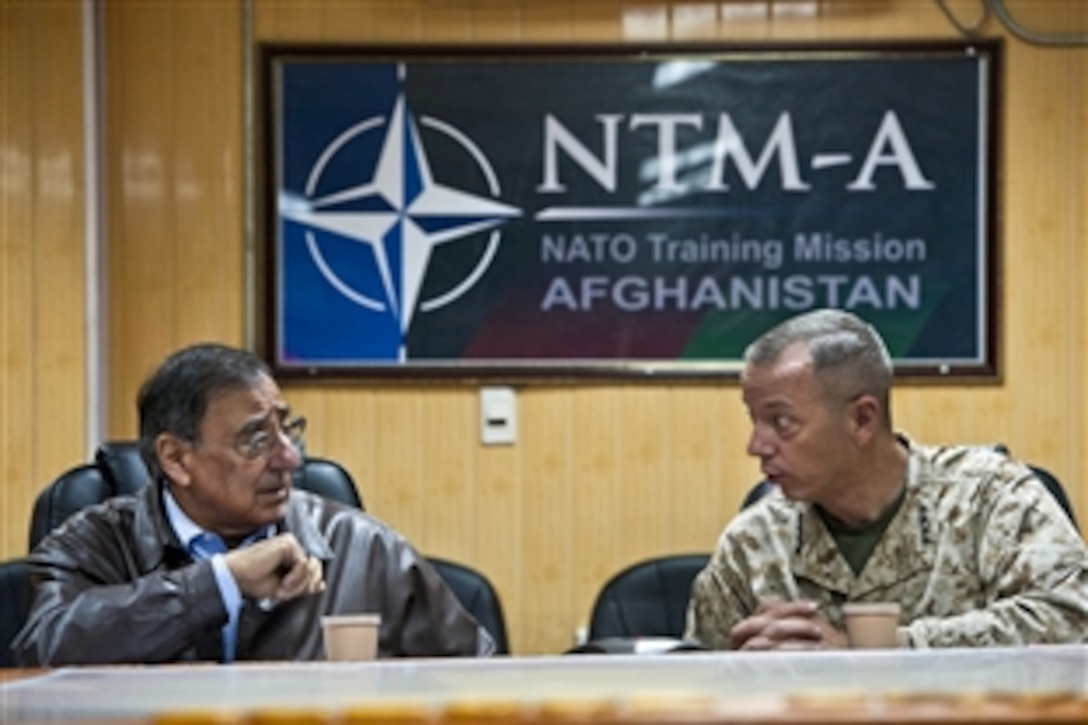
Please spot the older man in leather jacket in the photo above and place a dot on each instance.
(219, 559)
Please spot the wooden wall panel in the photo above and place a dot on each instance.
(550, 22)
(207, 192)
(176, 193)
(646, 497)
(295, 21)
(696, 458)
(502, 513)
(356, 411)
(140, 258)
(42, 333)
(602, 473)
(598, 490)
(495, 23)
(16, 339)
(58, 248)
(545, 441)
(448, 469)
(398, 486)
(1074, 431)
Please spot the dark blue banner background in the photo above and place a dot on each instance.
(568, 212)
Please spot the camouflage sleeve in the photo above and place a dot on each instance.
(714, 609)
(1033, 567)
(719, 597)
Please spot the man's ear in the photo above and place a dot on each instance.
(171, 452)
(865, 418)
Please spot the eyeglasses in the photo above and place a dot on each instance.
(260, 442)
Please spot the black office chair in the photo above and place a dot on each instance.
(74, 490)
(14, 605)
(758, 491)
(646, 599)
(328, 478)
(478, 596)
(1055, 487)
(123, 465)
(118, 469)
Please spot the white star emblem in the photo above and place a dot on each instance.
(412, 214)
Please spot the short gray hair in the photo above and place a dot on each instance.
(849, 356)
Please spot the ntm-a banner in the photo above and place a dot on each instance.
(557, 211)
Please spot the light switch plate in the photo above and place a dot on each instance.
(498, 416)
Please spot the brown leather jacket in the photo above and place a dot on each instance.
(112, 584)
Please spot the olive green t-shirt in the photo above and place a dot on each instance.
(858, 542)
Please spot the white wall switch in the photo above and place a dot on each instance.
(498, 416)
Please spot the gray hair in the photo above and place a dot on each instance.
(175, 397)
(849, 356)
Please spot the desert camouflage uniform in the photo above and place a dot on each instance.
(979, 553)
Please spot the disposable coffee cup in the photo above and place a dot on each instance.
(871, 625)
(350, 637)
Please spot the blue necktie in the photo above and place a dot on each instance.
(204, 546)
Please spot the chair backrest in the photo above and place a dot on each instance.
(647, 599)
(75, 489)
(14, 605)
(123, 466)
(328, 478)
(1055, 487)
(118, 469)
(478, 596)
(756, 492)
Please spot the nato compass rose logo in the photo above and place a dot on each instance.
(401, 213)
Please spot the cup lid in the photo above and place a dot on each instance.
(348, 619)
(870, 608)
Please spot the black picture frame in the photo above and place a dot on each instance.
(873, 166)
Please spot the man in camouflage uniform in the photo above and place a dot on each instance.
(968, 542)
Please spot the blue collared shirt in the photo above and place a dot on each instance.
(202, 545)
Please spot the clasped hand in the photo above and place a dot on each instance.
(275, 568)
(786, 625)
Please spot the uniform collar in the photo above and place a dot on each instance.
(910, 541)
